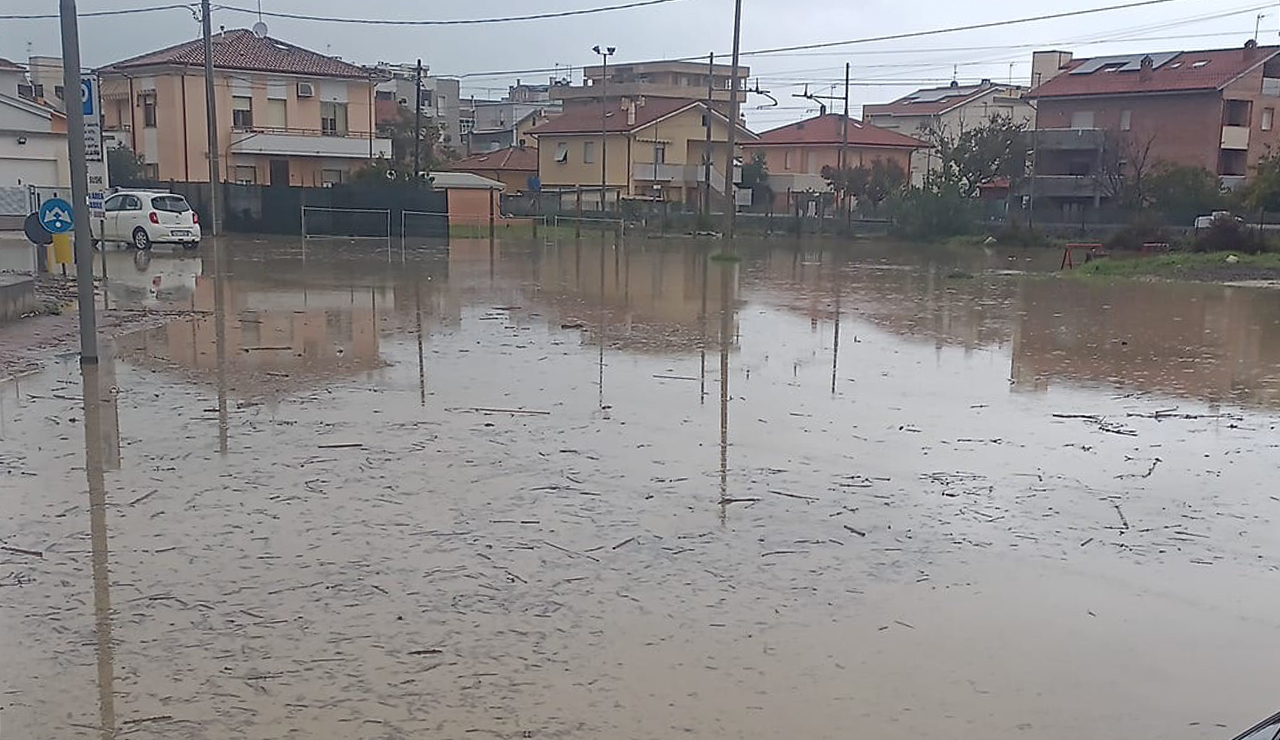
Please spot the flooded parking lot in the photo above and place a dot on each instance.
(596, 490)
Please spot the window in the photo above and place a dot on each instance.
(242, 111)
(1268, 118)
(588, 152)
(278, 113)
(170, 204)
(114, 203)
(149, 110)
(786, 160)
(660, 153)
(1233, 162)
(133, 202)
(1236, 112)
(1126, 120)
(333, 119)
(246, 174)
(332, 177)
(562, 152)
(1200, 64)
(1082, 119)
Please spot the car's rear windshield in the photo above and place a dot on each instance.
(170, 203)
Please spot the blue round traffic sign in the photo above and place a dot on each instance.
(57, 216)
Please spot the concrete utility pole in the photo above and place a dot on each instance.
(604, 53)
(417, 121)
(211, 106)
(844, 145)
(732, 212)
(79, 183)
(707, 155)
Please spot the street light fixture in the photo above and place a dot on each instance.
(605, 53)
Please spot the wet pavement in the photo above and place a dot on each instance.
(579, 490)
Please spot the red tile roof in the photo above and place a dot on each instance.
(936, 100)
(512, 158)
(1184, 72)
(240, 49)
(826, 130)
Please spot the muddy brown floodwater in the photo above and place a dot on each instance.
(587, 490)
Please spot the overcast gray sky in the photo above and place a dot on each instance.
(882, 71)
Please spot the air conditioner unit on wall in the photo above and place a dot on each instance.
(306, 90)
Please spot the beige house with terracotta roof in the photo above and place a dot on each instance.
(513, 166)
(287, 115)
(796, 153)
(655, 149)
(950, 109)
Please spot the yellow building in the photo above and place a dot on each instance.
(286, 115)
(655, 150)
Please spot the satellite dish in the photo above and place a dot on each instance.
(260, 30)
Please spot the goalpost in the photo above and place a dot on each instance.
(319, 222)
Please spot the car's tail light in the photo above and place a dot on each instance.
(195, 217)
(155, 218)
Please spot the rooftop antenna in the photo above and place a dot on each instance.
(955, 72)
(1257, 26)
(260, 28)
(1011, 65)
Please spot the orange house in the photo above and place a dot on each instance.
(796, 153)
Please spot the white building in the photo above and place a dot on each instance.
(950, 109)
(33, 138)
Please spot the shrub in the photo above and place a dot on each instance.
(1144, 228)
(1226, 234)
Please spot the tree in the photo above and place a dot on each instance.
(126, 166)
(1263, 191)
(755, 176)
(1182, 192)
(869, 185)
(979, 155)
(1126, 162)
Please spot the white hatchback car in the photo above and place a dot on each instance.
(142, 218)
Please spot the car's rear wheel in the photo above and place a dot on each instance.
(140, 239)
(191, 246)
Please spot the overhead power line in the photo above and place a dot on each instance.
(452, 22)
(97, 13)
(953, 29)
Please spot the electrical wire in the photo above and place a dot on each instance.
(456, 22)
(97, 13)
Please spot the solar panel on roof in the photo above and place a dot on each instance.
(1128, 62)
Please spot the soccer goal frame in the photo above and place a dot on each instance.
(317, 210)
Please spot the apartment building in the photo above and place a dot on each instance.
(796, 153)
(658, 80)
(655, 149)
(441, 101)
(1104, 117)
(948, 109)
(287, 115)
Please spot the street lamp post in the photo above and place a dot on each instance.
(605, 52)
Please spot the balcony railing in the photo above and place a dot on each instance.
(1078, 139)
(296, 142)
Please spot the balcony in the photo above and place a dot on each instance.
(661, 172)
(1064, 186)
(295, 142)
(1081, 139)
(1235, 137)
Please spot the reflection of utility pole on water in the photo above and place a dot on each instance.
(220, 339)
(835, 341)
(94, 466)
(726, 338)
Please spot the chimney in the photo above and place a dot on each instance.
(1148, 69)
(1045, 65)
(631, 113)
(986, 82)
(1250, 50)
